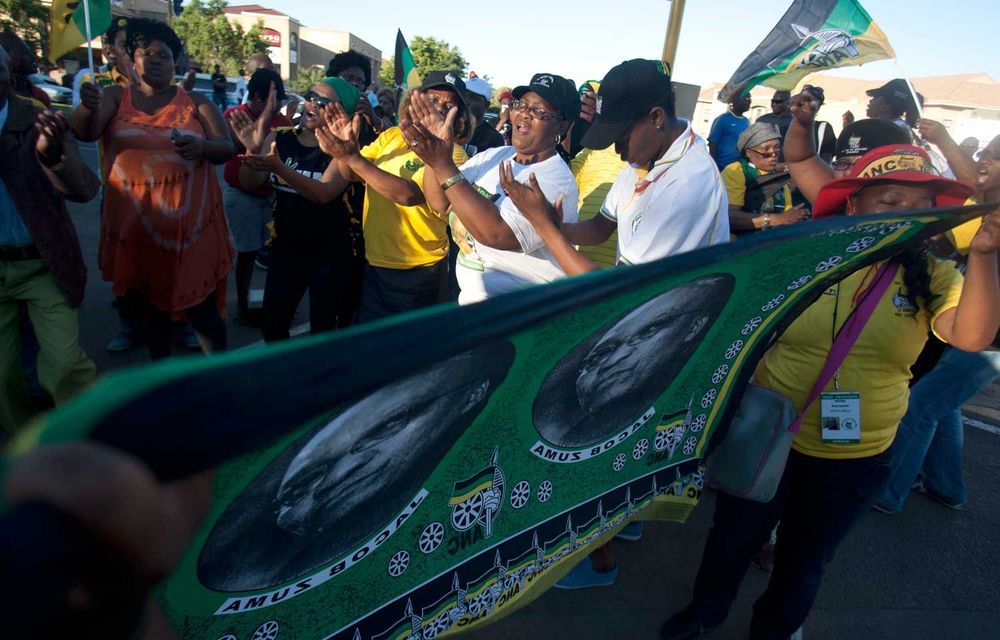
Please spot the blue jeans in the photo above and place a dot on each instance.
(818, 502)
(929, 440)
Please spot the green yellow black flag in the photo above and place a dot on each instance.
(406, 75)
(69, 30)
(813, 35)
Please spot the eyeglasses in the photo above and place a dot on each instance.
(843, 164)
(536, 113)
(316, 99)
(767, 153)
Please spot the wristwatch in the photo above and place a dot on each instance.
(452, 181)
(767, 222)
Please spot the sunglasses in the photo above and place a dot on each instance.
(777, 100)
(316, 99)
(990, 152)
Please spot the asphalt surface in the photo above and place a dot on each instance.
(926, 573)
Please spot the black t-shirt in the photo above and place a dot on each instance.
(483, 138)
(323, 230)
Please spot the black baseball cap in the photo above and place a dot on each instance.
(861, 136)
(556, 90)
(445, 80)
(627, 92)
(893, 89)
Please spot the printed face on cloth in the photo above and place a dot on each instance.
(614, 376)
(338, 486)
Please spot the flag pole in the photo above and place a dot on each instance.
(916, 99)
(86, 26)
(673, 34)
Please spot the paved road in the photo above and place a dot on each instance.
(927, 573)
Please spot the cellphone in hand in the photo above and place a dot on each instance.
(175, 135)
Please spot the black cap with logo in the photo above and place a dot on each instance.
(556, 90)
(861, 136)
(627, 92)
(445, 80)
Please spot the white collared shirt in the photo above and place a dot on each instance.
(678, 206)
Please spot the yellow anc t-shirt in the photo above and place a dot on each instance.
(962, 235)
(736, 186)
(595, 172)
(397, 236)
(877, 367)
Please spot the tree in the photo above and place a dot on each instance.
(429, 54)
(210, 38)
(30, 20)
(308, 76)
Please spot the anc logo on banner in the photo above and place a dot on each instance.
(427, 474)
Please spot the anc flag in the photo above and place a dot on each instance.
(406, 71)
(813, 35)
(469, 487)
(68, 29)
(671, 420)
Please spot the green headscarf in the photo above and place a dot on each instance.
(347, 92)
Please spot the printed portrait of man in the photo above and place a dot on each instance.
(612, 377)
(344, 481)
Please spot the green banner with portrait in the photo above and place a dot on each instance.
(433, 472)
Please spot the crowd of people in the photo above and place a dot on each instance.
(379, 209)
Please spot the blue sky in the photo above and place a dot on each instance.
(581, 39)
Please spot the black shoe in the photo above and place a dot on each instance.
(683, 625)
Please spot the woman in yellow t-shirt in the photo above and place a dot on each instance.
(406, 242)
(831, 480)
(759, 197)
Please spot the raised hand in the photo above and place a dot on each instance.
(987, 239)
(52, 130)
(422, 111)
(267, 162)
(933, 131)
(91, 95)
(804, 107)
(529, 199)
(588, 105)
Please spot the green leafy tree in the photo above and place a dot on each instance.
(308, 76)
(30, 20)
(429, 54)
(210, 38)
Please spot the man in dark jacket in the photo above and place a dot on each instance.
(40, 261)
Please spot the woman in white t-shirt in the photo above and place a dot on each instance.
(500, 251)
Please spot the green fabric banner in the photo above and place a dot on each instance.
(434, 472)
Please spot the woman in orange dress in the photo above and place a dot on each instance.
(164, 239)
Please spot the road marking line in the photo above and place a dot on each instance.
(979, 424)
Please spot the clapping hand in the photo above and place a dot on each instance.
(428, 133)
(338, 136)
(91, 95)
(252, 133)
(267, 162)
(529, 199)
(52, 130)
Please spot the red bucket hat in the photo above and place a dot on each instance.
(890, 163)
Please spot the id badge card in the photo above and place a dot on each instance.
(840, 417)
